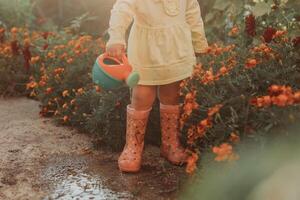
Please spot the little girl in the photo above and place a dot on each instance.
(163, 40)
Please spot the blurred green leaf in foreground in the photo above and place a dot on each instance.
(270, 172)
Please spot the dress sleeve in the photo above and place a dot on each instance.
(194, 19)
(121, 17)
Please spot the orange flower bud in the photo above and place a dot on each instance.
(251, 63)
(297, 97)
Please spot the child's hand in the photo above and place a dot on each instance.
(116, 50)
(198, 54)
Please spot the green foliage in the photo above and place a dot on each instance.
(234, 84)
(13, 76)
(16, 13)
(220, 16)
(13, 72)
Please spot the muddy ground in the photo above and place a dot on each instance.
(40, 160)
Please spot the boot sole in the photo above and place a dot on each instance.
(172, 162)
(129, 170)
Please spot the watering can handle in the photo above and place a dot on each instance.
(125, 60)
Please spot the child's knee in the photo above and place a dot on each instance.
(169, 94)
(143, 97)
(171, 99)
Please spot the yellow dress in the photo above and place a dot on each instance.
(163, 39)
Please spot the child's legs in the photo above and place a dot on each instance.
(143, 97)
(169, 94)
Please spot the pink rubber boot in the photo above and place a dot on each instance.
(171, 148)
(130, 159)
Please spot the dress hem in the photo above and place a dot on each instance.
(168, 81)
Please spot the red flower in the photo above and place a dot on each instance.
(250, 25)
(296, 41)
(2, 34)
(27, 57)
(269, 34)
(45, 46)
(15, 47)
(45, 35)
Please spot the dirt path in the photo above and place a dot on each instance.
(39, 160)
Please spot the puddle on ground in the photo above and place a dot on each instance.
(85, 186)
(70, 179)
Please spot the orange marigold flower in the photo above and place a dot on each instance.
(208, 77)
(77, 46)
(190, 96)
(70, 60)
(234, 138)
(59, 70)
(73, 101)
(64, 55)
(192, 163)
(202, 127)
(80, 91)
(281, 100)
(65, 93)
(234, 31)
(34, 59)
(201, 130)
(224, 152)
(251, 63)
(65, 118)
(274, 89)
(31, 85)
(297, 97)
(212, 111)
(49, 90)
(51, 55)
(206, 123)
(260, 102)
(183, 83)
(267, 101)
(27, 42)
(279, 33)
(188, 108)
(65, 106)
(223, 70)
(42, 83)
(14, 30)
(97, 88)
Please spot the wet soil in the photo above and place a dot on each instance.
(40, 160)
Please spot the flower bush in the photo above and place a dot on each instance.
(14, 59)
(240, 90)
(246, 86)
(55, 68)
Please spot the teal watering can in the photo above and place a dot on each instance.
(110, 73)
